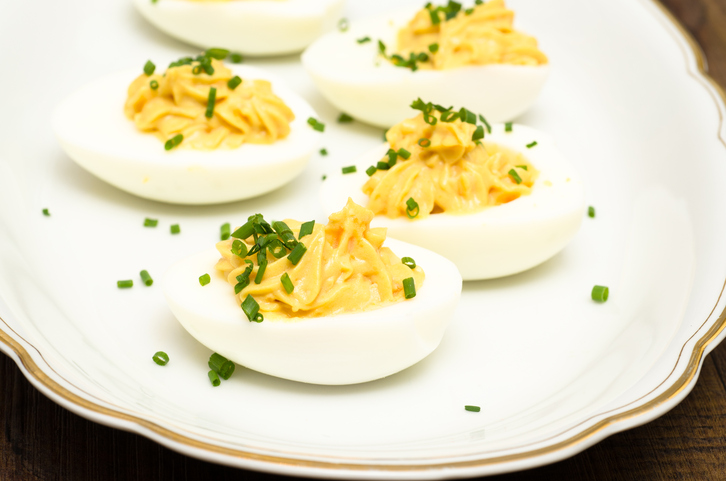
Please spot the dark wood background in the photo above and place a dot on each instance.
(42, 441)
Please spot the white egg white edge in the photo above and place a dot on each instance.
(354, 78)
(93, 130)
(497, 241)
(343, 349)
(249, 27)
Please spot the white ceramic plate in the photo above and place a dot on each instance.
(552, 371)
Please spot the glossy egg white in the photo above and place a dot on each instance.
(355, 79)
(497, 241)
(93, 130)
(250, 27)
(342, 349)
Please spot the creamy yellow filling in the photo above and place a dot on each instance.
(483, 36)
(454, 174)
(345, 269)
(250, 113)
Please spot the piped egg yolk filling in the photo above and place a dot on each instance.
(453, 174)
(178, 102)
(478, 36)
(345, 269)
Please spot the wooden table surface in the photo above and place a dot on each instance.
(41, 441)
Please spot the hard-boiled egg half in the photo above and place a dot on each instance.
(448, 55)
(493, 203)
(199, 133)
(251, 27)
(322, 304)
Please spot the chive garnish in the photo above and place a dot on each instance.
(161, 358)
(224, 231)
(217, 53)
(316, 125)
(515, 176)
(261, 271)
(381, 48)
(600, 293)
(46, 212)
(350, 169)
(234, 82)
(252, 309)
(306, 229)
(531, 144)
(146, 278)
(197, 69)
(364, 40)
(423, 142)
(392, 156)
(285, 233)
(412, 208)
(214, 378)
(449, 116)
(221, 365)
(403, 153)
(409, 288)
(343, 24)
(323, 152)
(523, 167)
(383, 165)
(287, 283)
(150, 222)
(434, 47)
(204, 279)
(211, 100)
(175, 229)
(125, 284)
(408, 261)
(478, 133)
(173, 142)
(344, 118)
(323, 177)
(508, 127)
(153, 85)
(484, 121)
(468, 11)
(467, 116)
(591, 211)
(239, 248)
(297, 253)
(371, 170)
(149, 67)
(235, 58)
(474, 409)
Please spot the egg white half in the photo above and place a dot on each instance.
(359, 82)
(93, 130)
(251, 27)
(497, 241)
(342, 349)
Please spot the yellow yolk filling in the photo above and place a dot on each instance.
(250, 113)
(345, 269)
(484, 36)
(454, 174)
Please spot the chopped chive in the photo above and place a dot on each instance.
(449, 116)
(344, 118)
(600, 293)
(591, 211)
(364, 40)
(323, 152)
(285, 233)
(197, 69)
(175, 229)
(224, 231)
(380, 165)
(392, 157)
(408, 261)
(531, 144)
(150, 222)
(468, 11)
(146, 278)
(323, 177)
(149, 67)
(287, 283)
(235, 58)
(515, 176)
(423, 142)
(247, 229)
(316, 125)
(403, 153)
(125, 284)
(261, 271)
(484, 121)
(412, 208)
(350, 169)
(297, 253)
(217, 53)
(46, 212)
(221, 365)
(234, 82)
(211, 100)
(343, 24)
(434, 14)
(381, 48)
(214, 378)
(434, 47)
(161, 358)
(467, 116)
(409, 288)
(474, 409)
(508, 127)
(251, 308)
(306, 229)
(239, 248)
(173, 142)
(371, 170)
(523, 167)
(384, 136)
(204, 279)
(478, 133)
(153, 85)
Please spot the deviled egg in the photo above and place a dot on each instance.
(322, 304)
(495, 203)
(198, 133)
(251, 27)
(449, 55)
